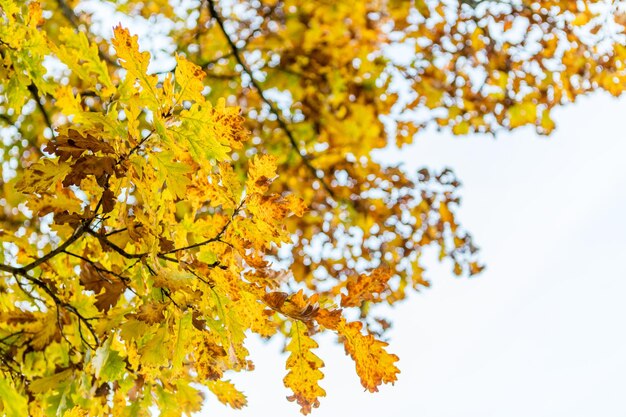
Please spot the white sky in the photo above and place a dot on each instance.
(541, 331)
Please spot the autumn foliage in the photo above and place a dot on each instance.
(163, 201)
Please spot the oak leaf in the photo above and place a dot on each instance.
(42, 176)
(365, 288)
(226, 393)
(136, 63)
(304, 370)
(373, 364)
(107, 287)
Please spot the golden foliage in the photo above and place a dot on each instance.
(157, 210)
(304, 370)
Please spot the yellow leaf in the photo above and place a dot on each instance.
(189, 78)
(136, 63)
(476, 39)
(231, 184)
(296, 205)
(127, 49)
(423, 8)
(43, 176)
(67, 102)
(172, 172)
(522, 113)
(461, 128)
(152, 354)
(209, 133)
(227, 394)
(45, 330)
(252, 313)
(546, 122)
(446, 215)
(182, 341)
(82, 57)
(53, 382)
(581, 19)
(188, 398)
(210, 359)
(304, 370)
(261, 172)
(75, 411)
(13, 403)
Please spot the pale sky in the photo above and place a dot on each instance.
(539, 333)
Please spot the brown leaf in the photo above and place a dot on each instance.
(210, 359)
(165, 245)
(197, 322)
(151, 313)
(275, 299)
(108, 200)
(90, 165)
(108, 287)
(297, 306)
(74, 144)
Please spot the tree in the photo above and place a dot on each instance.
(157, 210)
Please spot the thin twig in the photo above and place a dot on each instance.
(114, 232)
(101, 271)
(114, 247)
(74, 20)
(80, 230)
(60, 303)
(216, 238)
(29, 293)
(37, 97)
(283, 125)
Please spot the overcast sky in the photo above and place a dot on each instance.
(541, 332)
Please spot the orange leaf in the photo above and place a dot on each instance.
(365, 287)
(373, 364)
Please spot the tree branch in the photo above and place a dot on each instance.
(161, 255)
(102, 271)
(114, 247)
(216, 238)
(283, 125)
(74, 20)
(78, 232)
(68, 307)
(35, 93)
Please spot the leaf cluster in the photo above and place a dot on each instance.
(152, 220)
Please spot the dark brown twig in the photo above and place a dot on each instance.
(83, 321)
(37, 97)
(281, 122)
(74, 21)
